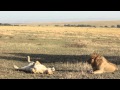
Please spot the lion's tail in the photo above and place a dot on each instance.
(16, 67)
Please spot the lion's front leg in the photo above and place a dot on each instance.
(98, 71)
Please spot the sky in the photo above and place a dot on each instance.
(56, 16)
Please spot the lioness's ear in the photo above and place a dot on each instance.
(53, 69)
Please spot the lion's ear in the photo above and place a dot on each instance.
(93, 55)
(99, 57)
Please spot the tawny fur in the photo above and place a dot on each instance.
(35, 67)
(100, 64)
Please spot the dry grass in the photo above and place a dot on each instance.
(65, 48)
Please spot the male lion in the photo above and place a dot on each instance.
(100, 64)
(35, 67)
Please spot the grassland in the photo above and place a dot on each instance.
(65, 48)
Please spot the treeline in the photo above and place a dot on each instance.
(83, 25)
(66, 25)
(69, 25)
(7, 24)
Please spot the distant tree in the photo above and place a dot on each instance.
(67, 25)
(56, 25)
(6, 24)
(89, 26)
(112, 26)
(73, 25)
(16, 25)
(106, 26)
(118, 26)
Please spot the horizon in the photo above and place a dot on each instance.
(57, 16)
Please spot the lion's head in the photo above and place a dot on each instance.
(100, 64)
(94, 58)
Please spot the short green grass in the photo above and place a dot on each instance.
(65, 48)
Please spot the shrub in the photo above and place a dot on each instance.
(118, 26)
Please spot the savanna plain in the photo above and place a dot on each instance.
(65, 48)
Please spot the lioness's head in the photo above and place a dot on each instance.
(50, 70)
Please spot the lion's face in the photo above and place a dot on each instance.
(95, 60)
(93, 57)
(90, 61)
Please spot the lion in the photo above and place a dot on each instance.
(35, 67)
(100, 64)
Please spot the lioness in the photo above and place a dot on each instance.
(35, 67)
(100, 64)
